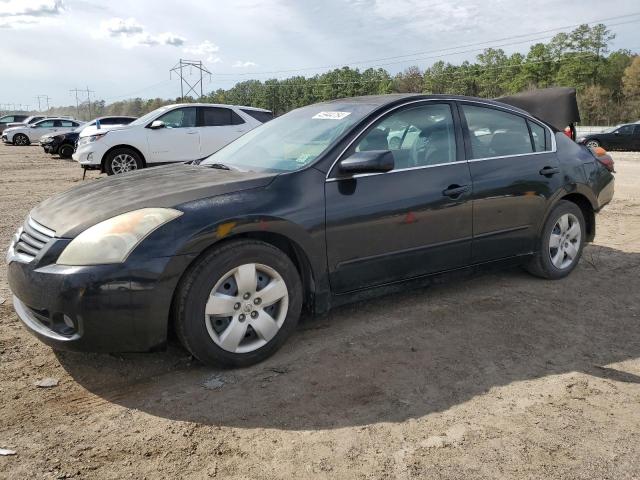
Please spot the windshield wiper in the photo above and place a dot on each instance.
(220, 166)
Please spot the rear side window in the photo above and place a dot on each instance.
(219, 117)
(262, 117)
(67, 123)
(538, 137)
(7, 120)
(494, 133)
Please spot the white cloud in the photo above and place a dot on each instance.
(206, 49)
(134, 34)
(240, 64)
(119, 26)
(31, 8)
(22, 13)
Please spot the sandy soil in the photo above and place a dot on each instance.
(499, 376)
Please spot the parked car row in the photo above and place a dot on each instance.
(28, 133)
(64, 144)
(173, 133)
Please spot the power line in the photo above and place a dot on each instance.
(359, 62)
(191, 64)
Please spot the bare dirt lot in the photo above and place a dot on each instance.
(499, 376)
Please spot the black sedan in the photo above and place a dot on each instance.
(64, 144)
(622, 137)
(313, 209)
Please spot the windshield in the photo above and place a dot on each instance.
(143, 120)
(292, 141)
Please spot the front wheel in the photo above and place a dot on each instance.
(21, 139)
(561, 243)
(238, 304)
(593, 144)
(122, 160)
(65, 151)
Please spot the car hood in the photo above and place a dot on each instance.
(70, 213)
(92, 130)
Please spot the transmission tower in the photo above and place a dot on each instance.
(191, 64)
(44, 98)
(76, 91)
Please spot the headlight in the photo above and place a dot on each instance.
(113, 240)
(91, 139)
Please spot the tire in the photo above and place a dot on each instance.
(593, 144)
(21, 140)
(226, 271)
(122, 160)
(65, 150)
(553, 262)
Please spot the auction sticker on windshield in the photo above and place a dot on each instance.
(331, 115)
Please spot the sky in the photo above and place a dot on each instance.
(123, 49)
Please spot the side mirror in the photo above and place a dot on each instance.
(616, 133)
(156, 124)
(368, 162)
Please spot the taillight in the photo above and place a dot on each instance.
(607, 161)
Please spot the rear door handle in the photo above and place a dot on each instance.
(548, 171)
(454, 191)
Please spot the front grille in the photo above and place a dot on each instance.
(31, 238)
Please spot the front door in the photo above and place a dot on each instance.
(514, 173)
(413, 220)
(178, 141)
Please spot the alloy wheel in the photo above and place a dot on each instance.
(564, 242)
(592, 144)
(246, 308)
(20, 140)
(123, 163)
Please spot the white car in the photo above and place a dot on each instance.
(26, 134)
(174, 133)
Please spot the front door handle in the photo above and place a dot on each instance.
(192, 133)
(454, 191)
(548, 171)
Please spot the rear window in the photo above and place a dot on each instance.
(219, 117)
(262, 117)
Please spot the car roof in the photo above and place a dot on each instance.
(59, 118)
(393, 98)
(223, 105)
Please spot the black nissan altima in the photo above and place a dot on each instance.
(323, 205)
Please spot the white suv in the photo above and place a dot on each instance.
(174, 133)
(29, 133)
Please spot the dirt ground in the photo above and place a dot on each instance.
(499, 376)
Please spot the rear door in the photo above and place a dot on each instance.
(514, 171)
(413, 220)
(218, 127)
(44, 127)
(178, 141)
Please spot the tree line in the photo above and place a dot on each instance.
(608, 82)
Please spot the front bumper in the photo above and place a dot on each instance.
(90, 155)
(101, 308)
(5, 139)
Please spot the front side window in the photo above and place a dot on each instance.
(219, 117)
(180, 118)
(417, 136)
(494, 133)
(45, 124)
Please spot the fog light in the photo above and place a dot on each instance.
(68, 322)
(90, 157)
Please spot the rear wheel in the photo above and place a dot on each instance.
(561, 243)
(21, 139)
(65, 151)
(122, 160)
(238, 304)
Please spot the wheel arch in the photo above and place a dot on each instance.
(290, 247)
(106, 154)
(588, 212)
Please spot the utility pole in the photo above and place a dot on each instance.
(45, 98)
(75, 90)
(179, 70)
(89, 92)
